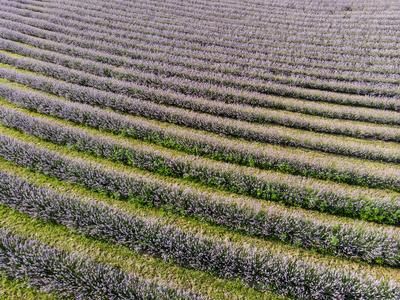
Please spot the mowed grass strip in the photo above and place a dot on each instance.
(265, 156)
(206, 176)
(270, 186)
(292, 104)
(183, 83)
(19, 289)
(270, 134)
(112, 192)
(324, 233)
(237, 111)
(387, 288)
(163, 39)
(127, 261)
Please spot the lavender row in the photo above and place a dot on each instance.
(354, 129)
(305, 86)
(224, 50)
(186, 65)
(276, 7)
(73, 275)
(259, 40)
(164, 38)
(272, 134)
(338, 11)
(256, 38)
(116, 15)
(221, 56)
(257, 267)
(297, 17)
(313, 22)
(221, 53)
(122, 33)
(275, 18)
(308, 8)
(210, 57)
(286, 189)
(294, 161)
(352, 240)
(232, 80)
(236, 111)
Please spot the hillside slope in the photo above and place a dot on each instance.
(199, 149)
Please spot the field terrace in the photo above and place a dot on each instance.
(199, 149)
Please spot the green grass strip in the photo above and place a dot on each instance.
(249, 182)
(17, 290)
(64, 239)
(293, 160)
(219, 232)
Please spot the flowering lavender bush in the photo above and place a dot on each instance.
(72, 275)
(270, 186)
(254, 141)
(270, 221)
(267, 157)
(247, 113)
(188, 249)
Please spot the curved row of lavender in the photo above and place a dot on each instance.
(245, 149)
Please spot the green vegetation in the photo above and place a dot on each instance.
(150, 151)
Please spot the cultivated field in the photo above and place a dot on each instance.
(198, 149)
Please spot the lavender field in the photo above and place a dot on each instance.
(198, 149)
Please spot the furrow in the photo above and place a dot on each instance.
(373, 150)
(258, 267)
(290, 190)
(294, 161)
